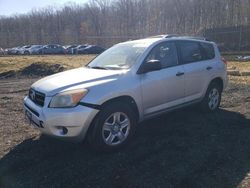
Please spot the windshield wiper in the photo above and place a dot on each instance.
(98, 67)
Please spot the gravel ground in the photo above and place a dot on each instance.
(185, 149)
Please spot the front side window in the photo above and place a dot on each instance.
(190, 51)
(166, 53)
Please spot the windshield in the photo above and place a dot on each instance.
(121, 56)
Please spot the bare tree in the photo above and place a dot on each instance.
(106, 22)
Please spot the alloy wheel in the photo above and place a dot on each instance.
(213, 98)
(116, 128)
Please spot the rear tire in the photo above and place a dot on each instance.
(212, 99)
(113, 128)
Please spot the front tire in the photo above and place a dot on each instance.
(26, 53)
(113, 127)
(212, 99)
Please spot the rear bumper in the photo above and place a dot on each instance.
(68, 124)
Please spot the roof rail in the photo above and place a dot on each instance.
(157, 36)
(192, 37)
(188, 37)
(171, 35)
(163, 36)
(179, 36)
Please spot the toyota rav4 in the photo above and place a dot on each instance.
(126, 84)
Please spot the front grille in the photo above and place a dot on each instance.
(37, 97)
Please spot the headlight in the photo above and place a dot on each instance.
(67, 99)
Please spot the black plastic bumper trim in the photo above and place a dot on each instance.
(95, 106)
(33, 111)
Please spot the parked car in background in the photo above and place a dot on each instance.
(13, 51)
(91, 49)
(70, 49)
(126, 84)
(33, 50)
(52, 49)
(79, 48)
(24, 50)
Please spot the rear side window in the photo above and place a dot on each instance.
(190, 51)
(208, 51)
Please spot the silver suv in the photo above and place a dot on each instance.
(128, 83)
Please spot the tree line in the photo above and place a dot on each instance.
(105, 22)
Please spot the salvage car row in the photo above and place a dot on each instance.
(52, 49)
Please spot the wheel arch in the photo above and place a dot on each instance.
(219, 81)
(124, 99)
(26, 52)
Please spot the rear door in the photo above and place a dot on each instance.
(197, 67)
(164, 88)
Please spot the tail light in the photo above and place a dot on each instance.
(224, 60)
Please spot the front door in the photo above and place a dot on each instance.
(164, 88)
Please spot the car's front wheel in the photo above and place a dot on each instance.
(113, 127)
(212, 99)
(26, 53)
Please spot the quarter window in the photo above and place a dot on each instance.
(165, 52)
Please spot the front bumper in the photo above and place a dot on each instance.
(52, 121)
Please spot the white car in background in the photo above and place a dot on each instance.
(30, 50)
(24, 50)
(126, 84)
(33, 50)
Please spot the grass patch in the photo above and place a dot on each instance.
(241, 66)
(17, 63)
(239, 79)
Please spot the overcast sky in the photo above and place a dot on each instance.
(10, 7)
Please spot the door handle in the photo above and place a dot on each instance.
(209, 68)
(179, 73)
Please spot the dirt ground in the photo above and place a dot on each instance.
(183, 149)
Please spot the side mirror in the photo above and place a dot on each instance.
(149, 66)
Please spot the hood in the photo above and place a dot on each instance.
(75, 79)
